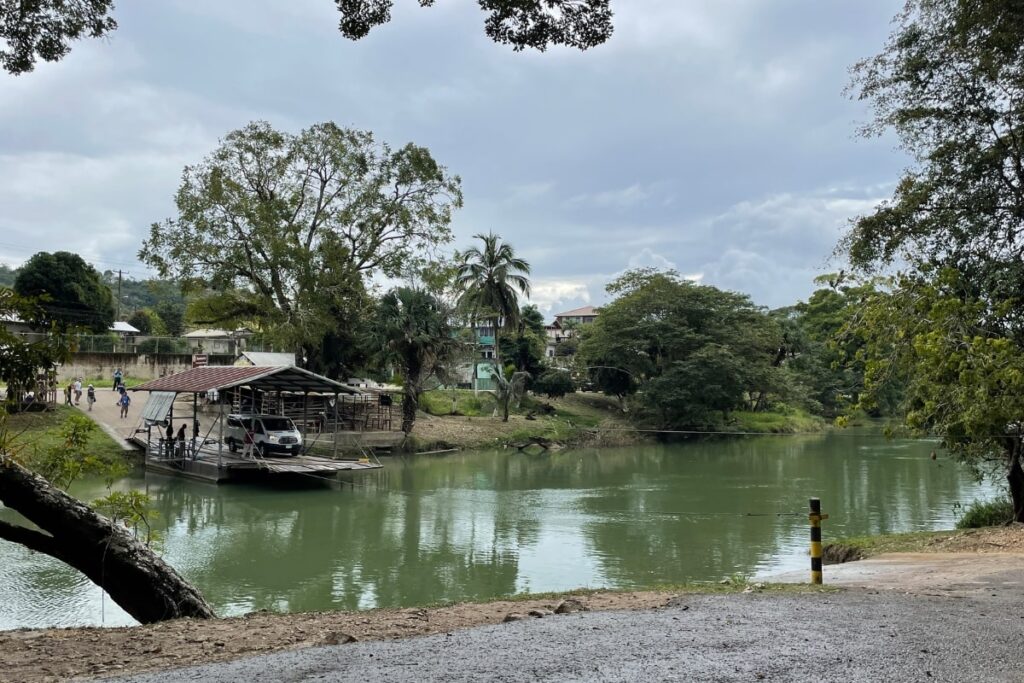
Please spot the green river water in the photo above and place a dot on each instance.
(473, 526)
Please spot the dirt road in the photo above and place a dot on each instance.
(850, 636)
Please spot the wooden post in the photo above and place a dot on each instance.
(815, 518)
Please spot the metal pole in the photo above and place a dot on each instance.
(336, 406)
(195, 419)
(220, 436)
(815, 519)
(305, 421)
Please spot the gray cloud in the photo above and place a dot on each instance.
(711, 136)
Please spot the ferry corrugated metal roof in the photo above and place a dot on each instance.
(291, 379)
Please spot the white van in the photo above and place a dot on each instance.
(270, 433)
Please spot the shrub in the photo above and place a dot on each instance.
(554, 383)
(983, 513)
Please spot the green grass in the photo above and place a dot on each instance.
(982, 513)
(786, 420)
(467, 404)
(41, 432)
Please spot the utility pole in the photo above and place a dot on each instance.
(118, 293)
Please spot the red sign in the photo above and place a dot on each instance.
(199, 360)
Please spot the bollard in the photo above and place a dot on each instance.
(816, 518)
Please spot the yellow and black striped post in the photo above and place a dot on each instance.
(816, 518)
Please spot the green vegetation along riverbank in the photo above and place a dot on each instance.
(45, 431)
(462, 419)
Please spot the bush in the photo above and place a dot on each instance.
(982, 513)
(554, 383)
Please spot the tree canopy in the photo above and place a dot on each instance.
(950, 84)
(697, 352)
(45, 29)
(69, 291)
(520, 23)
(279, 230)
(412, 332)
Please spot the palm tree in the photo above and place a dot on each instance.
(413, 333)
(491, 280)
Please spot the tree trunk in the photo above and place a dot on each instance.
(1015, 479)
(144, 585)
(504, 392)
(410, 404)
(411, 393)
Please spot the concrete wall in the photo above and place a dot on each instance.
(93, 366)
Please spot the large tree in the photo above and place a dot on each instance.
(70, 292)
(33, 30)
(491, 278)
(950, 84)
(280, 230)
(412, 332)
(693, 351)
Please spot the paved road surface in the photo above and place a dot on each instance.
(856, 635)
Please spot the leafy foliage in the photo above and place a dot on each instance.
(983, 513)
(821, 358)
(43, 29)
(554, 384)
(693, 350)
(279, 231)
(412, 331)
(491, 279)
(69, 291)
(23, 363)
(519, 23)
(950, 84)
(71, 459)
(133, 509)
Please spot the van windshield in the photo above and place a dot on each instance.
(277, 424)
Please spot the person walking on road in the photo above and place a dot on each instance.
(90, 396)
(118, 378)
(78, 391)
(124, 402)
(68, 392)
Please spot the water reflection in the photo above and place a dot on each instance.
(474, 526)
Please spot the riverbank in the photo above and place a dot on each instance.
(460, 419)
(47, 655)
(1002, 539)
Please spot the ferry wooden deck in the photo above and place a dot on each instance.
(206, 466)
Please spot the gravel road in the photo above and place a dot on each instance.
(854, 635)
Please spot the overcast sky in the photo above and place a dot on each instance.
(710, 136)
